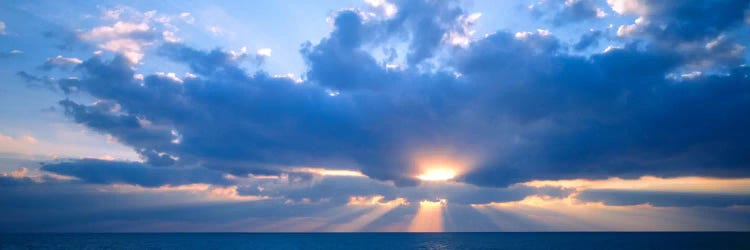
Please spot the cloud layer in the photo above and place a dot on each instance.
(387, 95)
(522, 108)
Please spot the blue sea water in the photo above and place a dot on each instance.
(390, 241)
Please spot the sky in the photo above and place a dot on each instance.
(347, 116)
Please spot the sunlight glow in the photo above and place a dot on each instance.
(377, 207)
(329, 172)
(539, 213)
(438, 174)
(437, 165)
(198, 190)
(375, 200)
(429, 217)
(678, 184)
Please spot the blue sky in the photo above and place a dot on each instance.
(374, 115)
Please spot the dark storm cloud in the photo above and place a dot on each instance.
(678, 21)
(9, 181)
(707, 33)
(72, 207)
(521, 108)
(588, 39)
(603, 120)
(111, 172)
(664, 199)
(424, 22)
(33, 81)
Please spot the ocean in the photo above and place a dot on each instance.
(390, 241)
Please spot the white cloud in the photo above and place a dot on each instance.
(462, 36)
(198, 190)
(20, 144)
(63, 61)
(691, 75)
(215, 30)
(113, 14)
(187, 17)
(5, 140)
(169, 75)
(130, 48)
(264, 52)
(20, 173)
(122, 37)
(386, 8)
(14, 52)
(118, 30)
(623, 7)
(17, 174)
(237, 55)
(169, 36)
(525, 34)
(133, 31)
(289, 76)
(391, 66)
(630, 29)
(600, 13)
(2, 27)
(610, 48)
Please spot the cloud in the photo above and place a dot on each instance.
(328, 189)
(187, 17)
(654, 191)
(2, 28)
(196, 207)
(545, 114)
(679, 26)
(133, 31)
(679, 20)
(537, 213)
(60, 62)
(12, 181)
(15, 144)
(11, 53)
(285, 199)
(15, 178)
(264, 52)
(564, 144)
(664, 199)
(588, 39)
(123, 37)
(113, 172)
(541, 134)
(566, 12)
(624, 7)
(578, 10)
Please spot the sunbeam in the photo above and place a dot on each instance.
(429, 217)
(377, 209)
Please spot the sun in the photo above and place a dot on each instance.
(437, 174)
